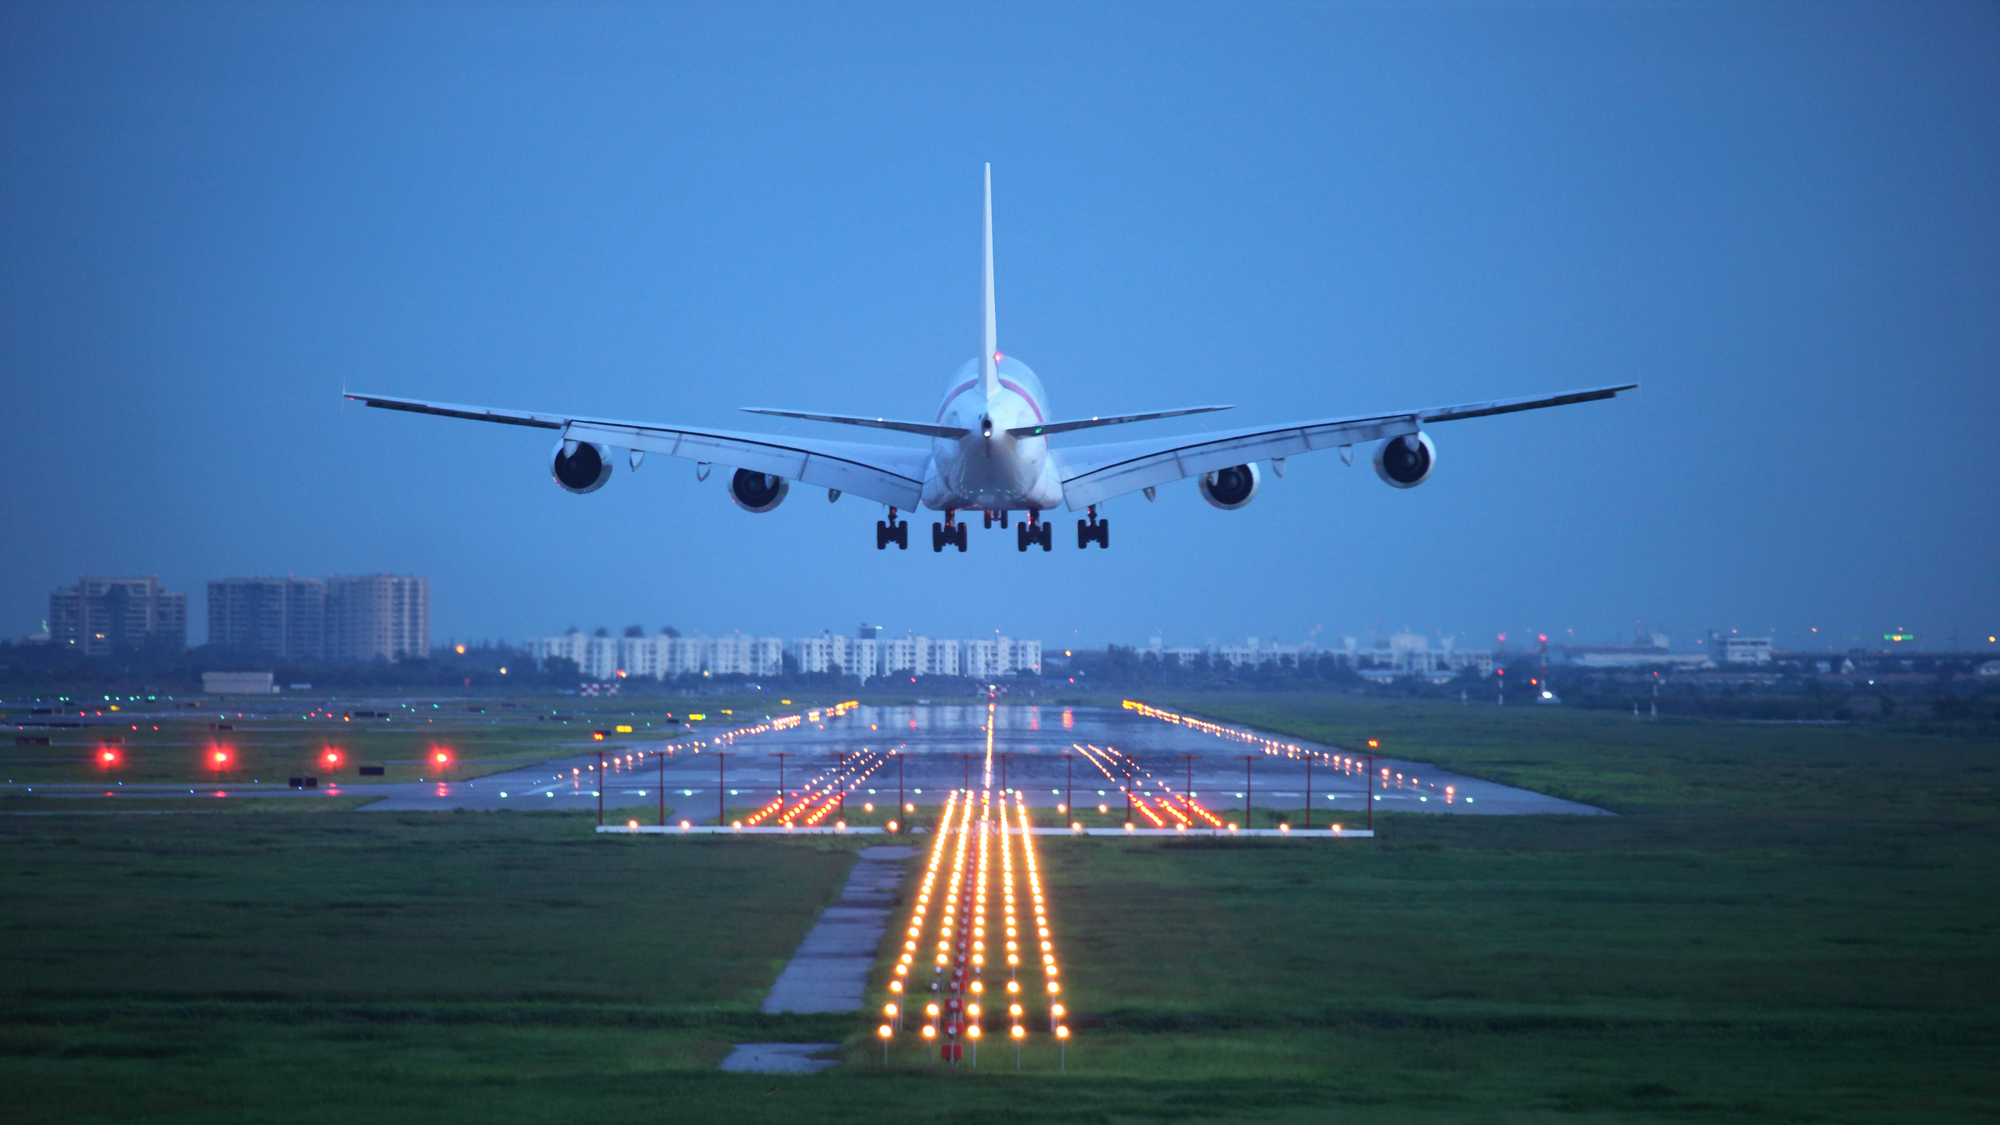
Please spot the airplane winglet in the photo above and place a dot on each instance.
(989, 353)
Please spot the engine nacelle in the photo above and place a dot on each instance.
(756, 492)
(1231, 488)
(1407, 461)
(583, 471)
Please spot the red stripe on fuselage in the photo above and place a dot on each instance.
(1007, 383)
(1032, 404)
(954, 393)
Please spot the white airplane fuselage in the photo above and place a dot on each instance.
(990, 469)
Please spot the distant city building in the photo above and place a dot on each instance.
(371, 615)
(99, 616)
(1404, 654)
(238, 683)
(866, 658)
(658, 657)
(284, 618)
(1746, 650)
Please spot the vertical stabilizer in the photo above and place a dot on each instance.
(989, 357)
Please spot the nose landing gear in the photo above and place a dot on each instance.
(894, 531)
(1093, 529)
(1000, 515)
(1035, 531)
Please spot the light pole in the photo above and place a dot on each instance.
(1309, 790)
(841, 766)
(1069, 784)
(1187, 790)
(721, 790)
(1370, 796)
(600, 788)
(899, 789)
(781, 756)
(662, 756)
(1249, 794)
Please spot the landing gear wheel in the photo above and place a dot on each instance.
(962, 538)
(1021, 538)
(1093, 529)
(903, 535)
(1047, 536)
(937, 538)
(882, 534)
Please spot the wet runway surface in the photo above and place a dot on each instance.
(1048, 752)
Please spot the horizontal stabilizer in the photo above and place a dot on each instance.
(1048, 428)
(924, 428)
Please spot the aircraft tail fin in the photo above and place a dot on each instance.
(989, 354)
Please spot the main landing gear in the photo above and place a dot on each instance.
(1093, 529)
(1035, 531)
(892, 531)
(948, 532)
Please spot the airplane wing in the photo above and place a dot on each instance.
(883, 473)
(1092, 474)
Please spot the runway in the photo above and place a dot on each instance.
(1051, 753)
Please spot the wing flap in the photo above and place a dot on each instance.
(1092, 474)
(886, 474)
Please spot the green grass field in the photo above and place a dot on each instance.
(1783, 923)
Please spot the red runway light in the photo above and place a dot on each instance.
(441, 758)
(333, 757)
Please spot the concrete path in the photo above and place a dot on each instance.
(779, 1058)
(829, 971)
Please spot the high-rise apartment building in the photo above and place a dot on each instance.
(99, 616)
(371, 615)
(284, 618)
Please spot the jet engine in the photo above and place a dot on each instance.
(755, 492)
(584, 470)
(1407, 461)
(1231, 488)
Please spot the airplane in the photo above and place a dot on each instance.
(989, 450)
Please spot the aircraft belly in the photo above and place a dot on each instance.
(971, 482)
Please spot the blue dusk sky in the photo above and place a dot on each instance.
(1783, 220)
